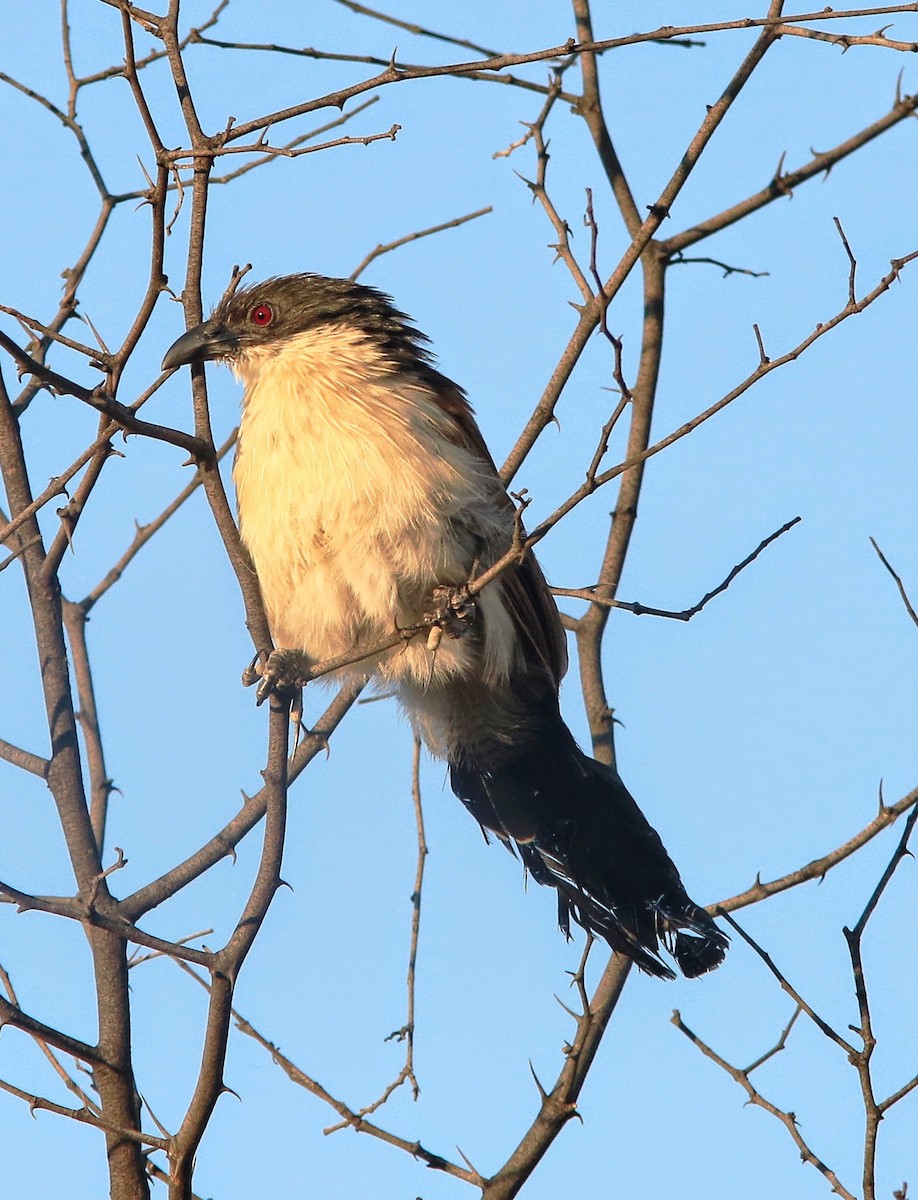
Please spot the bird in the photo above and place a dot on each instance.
(367, 500)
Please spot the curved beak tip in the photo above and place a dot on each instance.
(197, 345)
(184, 350)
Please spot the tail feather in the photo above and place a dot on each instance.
(578, 829)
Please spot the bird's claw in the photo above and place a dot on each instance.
(282, 671)
(453, 610)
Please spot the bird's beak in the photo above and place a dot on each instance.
(205, 341)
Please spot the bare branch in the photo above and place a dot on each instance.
(145, 532)
(900, 852)
(787, 1119)
(589, 593)
(899, 584)
(32, 763)
(418, 30)
(385, 248)
(819, 867)
(350, 1118)
(84, 1116)
(823, 1026)
(406, 1033)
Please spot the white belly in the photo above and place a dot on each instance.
(354, 506)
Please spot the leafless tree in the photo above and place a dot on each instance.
(65, 365)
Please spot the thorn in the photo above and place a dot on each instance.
(778, 178)
(226, 1088)
(471, 1166)
(899, 89)
(533, 187)
(542, 1092)
(570, 1012)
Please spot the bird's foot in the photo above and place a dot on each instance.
(282, 671)
(453, 610)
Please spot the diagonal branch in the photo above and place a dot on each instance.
(785, 183)
(898, 581)
(639, 610)
(787, 1119)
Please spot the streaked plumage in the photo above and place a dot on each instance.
(364, 485)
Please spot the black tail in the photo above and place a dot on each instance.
(578, 829)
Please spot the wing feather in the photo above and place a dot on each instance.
(526, 593)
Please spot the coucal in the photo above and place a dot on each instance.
(367, 500)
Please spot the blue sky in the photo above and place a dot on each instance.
(755, 737)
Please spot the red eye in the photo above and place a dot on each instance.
(262, 315)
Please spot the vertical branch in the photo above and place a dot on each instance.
(592, 313)
(192, 304)
(591, 627)
(228, 962)
(415, 913)
(113, 1074)
(590, 108)
(873, 1112)
(100, 785)
(560, 1104)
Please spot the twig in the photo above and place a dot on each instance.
(589, 593)
(88, 1103)
(778, 1046)
(852, 263)
(899, 853)
(223, 843)
(384, 248)
(561, 245)
(296, 1075)
(103, 403)
(784, 183)
(85, 1116)
(418, 30)
(681, 259)
(33, 763)
(823, 1026)
(787, 1119)
(294, 142)
(406, 1033)
(899, 584)
(286, 151)
(819, 867)
(145, 532)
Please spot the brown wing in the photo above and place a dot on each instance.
(526, 593)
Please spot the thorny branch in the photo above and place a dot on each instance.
(407, 1032)
(859, 1057)
(589, 593)
(787, 1119)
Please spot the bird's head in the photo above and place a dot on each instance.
(261, 320)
